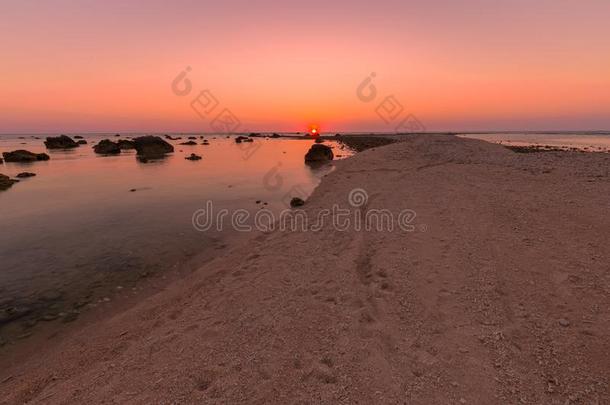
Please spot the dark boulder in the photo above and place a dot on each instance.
(60, 142)
(23, 175)
(107, 147)
(81, 142)
(189, 143)
(152, 146)
(24, 156)
(78, 137)
(297, 202)
(193, 157)
(6, 182)
(125, 144)
(275, 135)
(192, 137)
(319, 153)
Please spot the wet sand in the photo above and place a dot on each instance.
(499, 294)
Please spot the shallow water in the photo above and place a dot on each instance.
(76, 230)
(588, 141)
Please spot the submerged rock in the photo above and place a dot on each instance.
(297, 202)
(24, 156)
(193, 157)
(78, 137)
(107, 147)
(190, 143)
(6, 182)
(13, 313)
(23, 175)
(81, 142)
(319, 153)
(152, 146)
(60, 142)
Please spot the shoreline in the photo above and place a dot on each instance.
(502, 292)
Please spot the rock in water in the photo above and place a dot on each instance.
(81, 142)
(26, 174)
(6, 182)
(319, 153)
(125, 144)
(189, 143)
(24, 156)
(152, 146)
(107, 147)
(297, 202)
(193, 157)
(241, 139)
(60, 142)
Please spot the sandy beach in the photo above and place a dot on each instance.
(498, 294)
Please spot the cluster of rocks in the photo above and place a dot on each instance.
(147, 147)
(241, 139)
(108, 147)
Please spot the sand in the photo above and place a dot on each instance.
(500, 294)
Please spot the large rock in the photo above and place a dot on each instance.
(107, 147)
(319, 153)
(6, 182)
(125, 144)
(60, 142)
(24, 156)
(152, 146)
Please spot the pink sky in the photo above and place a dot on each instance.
(70, 66)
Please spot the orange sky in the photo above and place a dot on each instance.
(70, 66)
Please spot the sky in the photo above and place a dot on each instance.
(472, 65)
